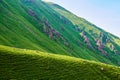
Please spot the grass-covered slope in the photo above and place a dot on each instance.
(19, 29)
(36, 25)
(22, 64)
(93, 31)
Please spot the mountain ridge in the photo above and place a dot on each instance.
(39, 26)
(39, 40)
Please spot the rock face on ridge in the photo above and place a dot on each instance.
(44, 26)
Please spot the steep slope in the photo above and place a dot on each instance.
(23, 64)
(106, 43)
(37, 25)
(92, 31)
(17, 30)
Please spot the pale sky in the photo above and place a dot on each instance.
(103, 13)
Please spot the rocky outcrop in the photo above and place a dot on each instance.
(31, 12)
(100, 45)
(108, 40)
(83, 34)
(53, 34)
(114, 49)
(86, 39)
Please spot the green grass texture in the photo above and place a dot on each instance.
(19, 29)
(23, 64)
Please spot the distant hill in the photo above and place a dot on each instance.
(23, 64)
(45, 26)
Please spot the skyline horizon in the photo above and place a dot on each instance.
(108, 20)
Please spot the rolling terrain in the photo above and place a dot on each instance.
(47, 41)
(23, 64)
(47, 27)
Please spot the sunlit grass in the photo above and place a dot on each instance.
(30, 64)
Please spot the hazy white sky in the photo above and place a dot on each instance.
(103, 13)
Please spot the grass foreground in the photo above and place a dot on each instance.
(22, 64)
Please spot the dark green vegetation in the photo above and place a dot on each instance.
(22, 64)
(49, 28)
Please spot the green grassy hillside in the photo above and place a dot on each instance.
(23, 64)
(37, 25)
(93, 32)
(17, 30)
